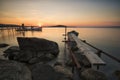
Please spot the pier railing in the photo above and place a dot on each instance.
(101, 51)
(86, 51)
(81, 54)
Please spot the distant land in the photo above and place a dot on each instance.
(99, 27)
(60, 26)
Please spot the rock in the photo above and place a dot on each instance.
(33, 50)
(67, 74)
(11, 70)
(2, 45)
(34, 60)
(69, 63)
(27, 56)
(24, 56)
(74, 32)
(12, 49)
(42, 58)
(11, 52)
(38, 45)
(44, 72)
(58, 63)
(49, 56)
(117, 73)
(90, 74)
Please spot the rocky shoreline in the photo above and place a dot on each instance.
(2, 45)
(28, 61)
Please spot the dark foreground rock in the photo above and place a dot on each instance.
(67, 73)
(90, 74)
(46, 72)
(117, 73)
(38, 45)
(11, 52)
(28, 56)
(43, 72)
(11, 70)
(32, 50)
(2, 45)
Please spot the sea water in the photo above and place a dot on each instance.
(106, 39)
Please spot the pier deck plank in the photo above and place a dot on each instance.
(92, 57)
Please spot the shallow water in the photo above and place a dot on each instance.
(107, 39)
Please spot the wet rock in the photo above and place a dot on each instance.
(49, 56)
(69, 63)
(11, 70)
(34, 60)
(117, 73)
(2, 45)
(58, 63)
(24, 56)
(43, 72)
(27, 56)
(67, 74)
(12, 49)
(38, 45)
(11, 52)
(46, 72)
(74, 32)
(33, 50)
(90, 74)
(42, 58)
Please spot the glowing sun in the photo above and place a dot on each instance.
(39, 24)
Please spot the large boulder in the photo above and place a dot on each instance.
(27, 56)
(44, 72)
(11, 52)
(64, 70)
(12, 70)
(32, 50)
(91, 74)
(38, 45)
(117, 73)
(12, 49)
(24, 56)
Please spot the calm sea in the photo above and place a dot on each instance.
(107, 39)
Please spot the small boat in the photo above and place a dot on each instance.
(29, 28)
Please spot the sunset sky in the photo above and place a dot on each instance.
(64, 12)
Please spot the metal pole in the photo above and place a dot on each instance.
(65, 32)
(114, 58)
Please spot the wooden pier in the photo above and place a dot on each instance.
(82, 56)
(84, 50)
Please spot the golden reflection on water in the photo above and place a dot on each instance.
(91, 34)
(94, 35)
(100, 35)
(107, 39)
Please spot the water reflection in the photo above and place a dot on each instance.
(23, 33)
(107, 39)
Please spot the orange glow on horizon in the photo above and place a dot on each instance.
(59, 12)
(39, 24)
(36, 22)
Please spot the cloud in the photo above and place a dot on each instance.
(6, 15)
